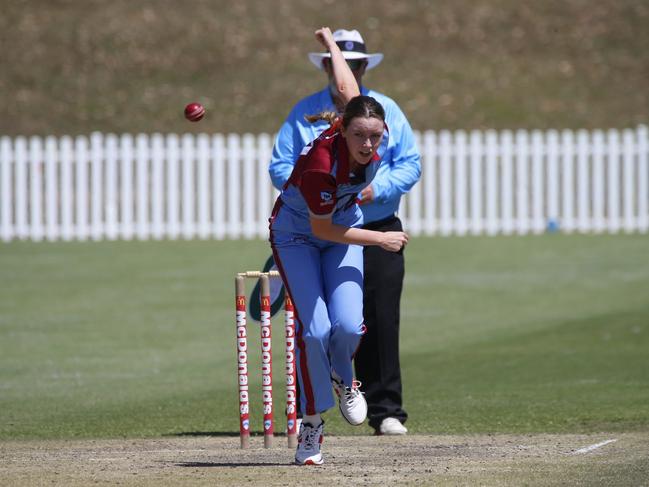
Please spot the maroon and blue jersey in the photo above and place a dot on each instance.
(321, 185)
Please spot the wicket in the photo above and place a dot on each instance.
(266, 361)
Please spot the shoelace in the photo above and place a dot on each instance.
(353, 392)
(310, 435)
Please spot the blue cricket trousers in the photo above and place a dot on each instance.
(325, 281)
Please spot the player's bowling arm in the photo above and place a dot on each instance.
(343, 77)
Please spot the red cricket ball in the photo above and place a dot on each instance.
(194, 112)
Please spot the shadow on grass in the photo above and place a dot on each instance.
(232, 464)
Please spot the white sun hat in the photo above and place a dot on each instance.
(352, 46)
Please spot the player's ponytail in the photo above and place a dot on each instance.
(330, 117)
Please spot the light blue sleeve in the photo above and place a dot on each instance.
(401, 168)
(284, 152)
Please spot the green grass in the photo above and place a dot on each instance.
(130, 339)
(71, 67)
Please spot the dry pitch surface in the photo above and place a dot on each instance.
(410, 460)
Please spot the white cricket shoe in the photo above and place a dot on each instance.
(308, 445)
(392, 427)
(351, 401)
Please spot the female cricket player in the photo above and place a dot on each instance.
(317, 245)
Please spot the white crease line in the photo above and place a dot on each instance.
(592, 447)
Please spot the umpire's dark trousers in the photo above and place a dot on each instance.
(377, 359)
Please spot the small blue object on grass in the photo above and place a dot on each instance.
(552, 226)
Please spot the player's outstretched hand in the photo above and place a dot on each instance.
(325, 37)
(394, 241)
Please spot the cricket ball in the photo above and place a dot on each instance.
(194, 112)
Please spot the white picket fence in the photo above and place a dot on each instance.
(217, 186)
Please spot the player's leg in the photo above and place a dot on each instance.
(343, 277)
(300, 267)
(343, 285)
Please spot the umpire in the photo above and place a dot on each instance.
(377, 359)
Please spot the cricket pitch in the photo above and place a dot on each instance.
(594, 459)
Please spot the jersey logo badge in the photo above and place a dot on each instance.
(325, 196)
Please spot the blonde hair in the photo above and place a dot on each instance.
(330, 117)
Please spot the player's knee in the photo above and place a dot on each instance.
(350, 328)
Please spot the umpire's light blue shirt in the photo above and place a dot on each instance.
(400, 167)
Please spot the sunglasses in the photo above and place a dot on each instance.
(355, 64)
